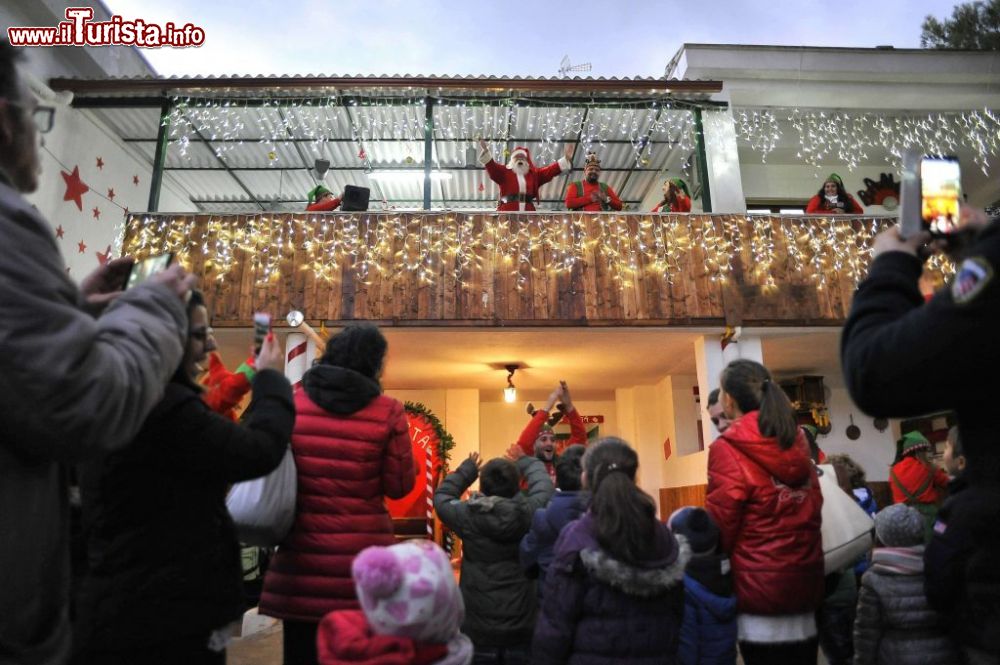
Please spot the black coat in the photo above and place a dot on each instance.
(164, 560)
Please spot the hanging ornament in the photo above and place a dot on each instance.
(272, 155)
(362, 154)
(506, 153)
(408, 160)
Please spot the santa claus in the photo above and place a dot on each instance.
(519, 180)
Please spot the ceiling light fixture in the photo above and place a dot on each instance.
(510, 392)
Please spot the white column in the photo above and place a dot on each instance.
(299, 354)
(708, 363)
(723, 161)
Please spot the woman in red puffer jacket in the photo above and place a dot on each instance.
(352, 449)
(764, 495)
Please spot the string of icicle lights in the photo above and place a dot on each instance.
(848, 137)
(391, 129)
(457, 246)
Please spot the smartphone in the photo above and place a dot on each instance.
(261, 326)
(146, 268)
(940, 194)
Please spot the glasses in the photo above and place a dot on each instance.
(42, 116)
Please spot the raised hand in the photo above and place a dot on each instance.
(475, 459)
(514, 452)
(177, 279)
(566, 399)
(271, 355)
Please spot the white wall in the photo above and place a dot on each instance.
(874, 450)
(76, 141)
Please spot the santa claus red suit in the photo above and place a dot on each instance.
(520, 179)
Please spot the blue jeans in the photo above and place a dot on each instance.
(501, 656)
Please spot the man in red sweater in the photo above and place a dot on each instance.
(539, 440)
(590, 194)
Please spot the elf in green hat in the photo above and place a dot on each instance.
(676, 197)
(833, 199)
(914, 480)
(322, 199)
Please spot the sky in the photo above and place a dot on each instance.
(529, 38)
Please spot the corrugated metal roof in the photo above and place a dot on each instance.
(269, 150)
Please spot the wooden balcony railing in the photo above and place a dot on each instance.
(493, 269)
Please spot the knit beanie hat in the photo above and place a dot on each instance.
(899, 525)
(316, 192)
(409, 590)
(910, 444)
(833, 177)
(681, 185)
(697, 526)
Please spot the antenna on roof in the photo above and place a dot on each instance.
(565, 67)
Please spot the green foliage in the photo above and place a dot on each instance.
(445, 442)
(973, 26)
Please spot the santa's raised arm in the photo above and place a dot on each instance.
(520, 179)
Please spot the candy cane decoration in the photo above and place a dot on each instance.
(429, 492)
(299, 352)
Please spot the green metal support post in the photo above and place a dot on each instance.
(428, 148)
(699, 136)
(160, 156)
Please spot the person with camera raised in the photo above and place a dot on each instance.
(902, 357)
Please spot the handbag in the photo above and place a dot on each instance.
(263, 509)
(846, 527)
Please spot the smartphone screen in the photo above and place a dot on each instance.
(940, 192)
(143, 270)
(261, 326)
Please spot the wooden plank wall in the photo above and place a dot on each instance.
(672, 498)
(535, 269)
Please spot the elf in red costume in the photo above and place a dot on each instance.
(520, 180)
(224, 390)
(676, 197)
(539, 440)
(590, 194)
(914, 480)
(322, 199)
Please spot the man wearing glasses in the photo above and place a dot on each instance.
(74, 382)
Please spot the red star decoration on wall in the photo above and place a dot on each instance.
(97, 212)
(75, 188)
(100, 163)
(104, 257)
(111, 193)
(81, 247)
(59, 232)
(135, 180)
(126, 211)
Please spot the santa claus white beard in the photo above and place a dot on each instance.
(520, 168)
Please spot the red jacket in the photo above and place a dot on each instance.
(767, 504)
(512, 184)
(346, 637)
(818, 205)
(575, 201)
(683, 204)
(577, 434)
(913, 473)
(324, 206)
(346, 465)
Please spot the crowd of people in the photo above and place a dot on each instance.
(565, 559)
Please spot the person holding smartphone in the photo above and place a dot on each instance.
(165, 577)
(903, 356)
(80, 369)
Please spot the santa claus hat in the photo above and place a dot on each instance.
(527, 156)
